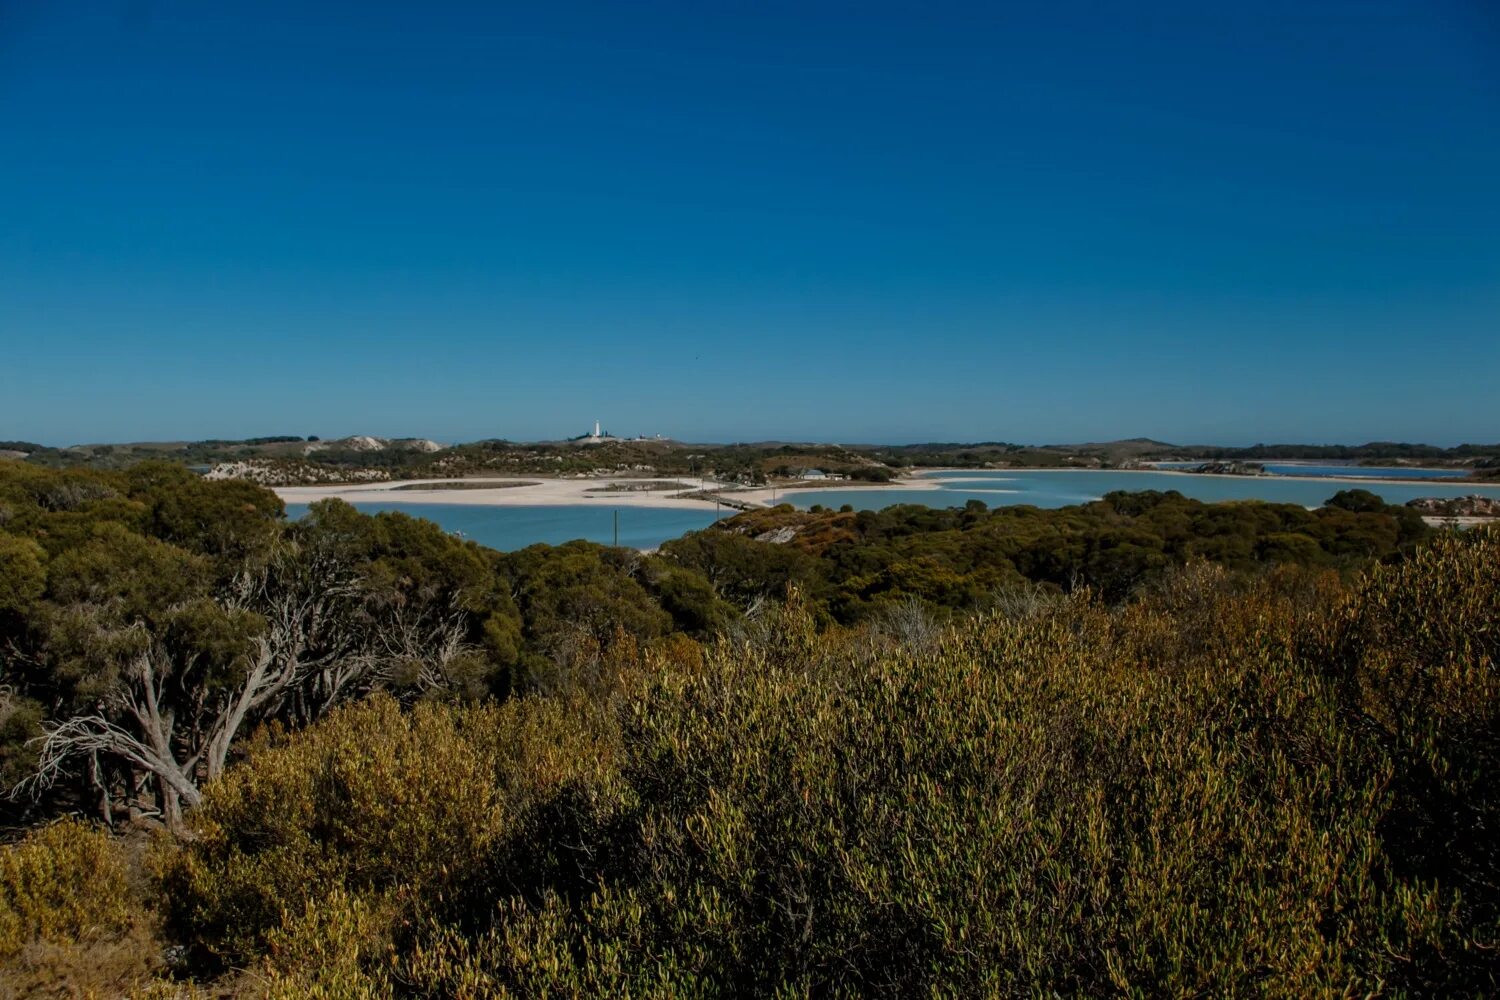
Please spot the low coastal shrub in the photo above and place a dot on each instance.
(65, 881)
(71, 922)
(1276, 785)
(380, 801)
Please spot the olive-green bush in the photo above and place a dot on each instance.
(1273, 786)
(71, 923)
(66, 880)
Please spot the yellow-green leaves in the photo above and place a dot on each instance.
(1231, 786)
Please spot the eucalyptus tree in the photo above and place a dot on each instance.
(167, 670)
(151, 620)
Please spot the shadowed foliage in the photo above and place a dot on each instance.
(1224, 786)
(1142, 746)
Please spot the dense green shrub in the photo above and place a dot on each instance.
(151, 619)
(1229, 785)
(1416, 655)
(856, 566)
(64, 881)
(72, 922)
(378, 801)
(1143, 745)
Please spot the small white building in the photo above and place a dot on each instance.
(813, 474)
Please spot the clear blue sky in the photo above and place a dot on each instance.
(865, 221)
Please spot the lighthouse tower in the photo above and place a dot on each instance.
(596, 429)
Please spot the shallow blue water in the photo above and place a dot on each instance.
(510, 528)
(1056, 488)
(1350, 471)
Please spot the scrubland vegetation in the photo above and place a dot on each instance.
(286, 460)
(1144, 746)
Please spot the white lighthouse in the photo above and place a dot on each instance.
(596, 436)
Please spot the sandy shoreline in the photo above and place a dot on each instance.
(766, 495)
(1475, 483)
(533, 491)
(536, 491)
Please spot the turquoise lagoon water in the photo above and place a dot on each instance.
(1347, 471)
(1059, 488)
(511, 528)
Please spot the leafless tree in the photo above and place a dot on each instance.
(1024, 601)
(317, 643)
(911, 624)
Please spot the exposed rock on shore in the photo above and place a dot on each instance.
(282, 472)
(1231, 469)
(1473, 505)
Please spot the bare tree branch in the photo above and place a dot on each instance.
(86, 735)
(317, 641)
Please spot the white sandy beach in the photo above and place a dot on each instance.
(536, 491)
(544, 492)
(1391, 480)
(1480, 484)
(782, 494)
(518, 492)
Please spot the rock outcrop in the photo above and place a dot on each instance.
(364, 442)
(1230, 469)
(280, 472)
(1473, 505)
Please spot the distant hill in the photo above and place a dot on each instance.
(213, 451)
(1139, 447)
(291, 459)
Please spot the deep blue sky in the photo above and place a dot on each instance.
(866, 221)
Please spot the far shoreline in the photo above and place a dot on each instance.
(528, 491)
(1391, 481)
(538, 491)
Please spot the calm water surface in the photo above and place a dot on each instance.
(511, 528)
(1055, 488)
(1348, 471)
